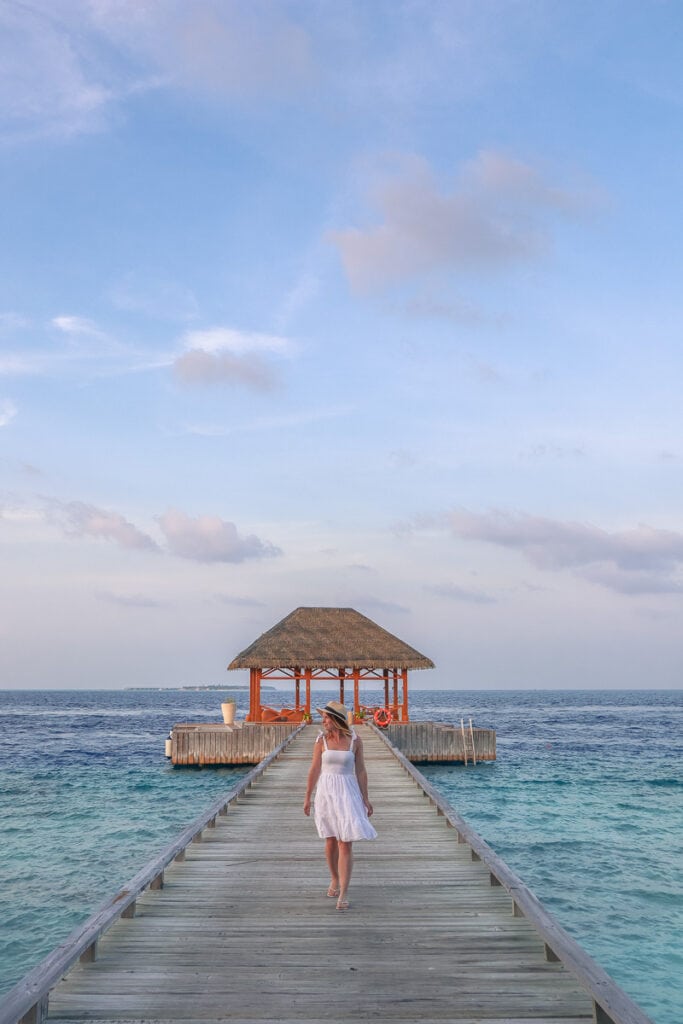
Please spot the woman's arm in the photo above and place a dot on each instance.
(362, 775)
(313, 774)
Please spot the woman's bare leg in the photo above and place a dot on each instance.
(332, 857)
(345, 868)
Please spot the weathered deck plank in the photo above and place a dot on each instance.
(243, 931)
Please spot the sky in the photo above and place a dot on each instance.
(374, 305)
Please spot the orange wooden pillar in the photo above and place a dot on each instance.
(404, 710)
(254, 695)
(342, 678)
(297, 688)
(356, 691)
(385, 673)
(307, 677)
(394, 703)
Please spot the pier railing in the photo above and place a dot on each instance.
(611, 1005)
(27, 1002)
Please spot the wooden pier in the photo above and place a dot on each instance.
(211, 743)
(437, 741)
(231, 923)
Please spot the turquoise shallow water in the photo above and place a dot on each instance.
(585, 802)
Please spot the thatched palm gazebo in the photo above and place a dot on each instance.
(323, 645)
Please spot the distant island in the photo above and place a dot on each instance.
(198, 686)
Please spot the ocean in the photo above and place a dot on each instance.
(585, 803)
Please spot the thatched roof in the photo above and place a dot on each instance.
(329, 638)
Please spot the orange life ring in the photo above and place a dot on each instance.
(383, 717)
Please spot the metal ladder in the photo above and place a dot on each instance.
(468, 741)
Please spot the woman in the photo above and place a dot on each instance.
(342, 807)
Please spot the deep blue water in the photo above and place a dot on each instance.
(585, 802)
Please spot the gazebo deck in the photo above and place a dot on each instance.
(242, 930)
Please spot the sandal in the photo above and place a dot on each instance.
(333, 892)
(342, 903)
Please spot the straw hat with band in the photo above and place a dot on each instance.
(337, 712)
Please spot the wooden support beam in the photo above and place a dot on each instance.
(257, 684)
(307, 675)
(37, 1014)
(89, 955)
(356, 691)
(404, 710)
(385, 673)
(251, 717)
(601, 1016)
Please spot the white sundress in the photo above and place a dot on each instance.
(338, 805)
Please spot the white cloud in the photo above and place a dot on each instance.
(8, 411)
(222, 355)
(14, 509)
(47, 86)
(66, 68)
(201, 367)
(210, 539)
(495, 216)
(640, 560)
(229, 50)
(238, 343)
(76, 325)
(79, 519)
(635, 582)
(77, 346)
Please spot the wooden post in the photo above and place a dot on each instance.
(252, 696)
(297, 688)
(89, 955)
(404, 712)
(385, 673)
(257, 694)
(464, 741)
(356, 691)
(37, 1014)
(307, 675)
(394, 706)
(342, 678)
